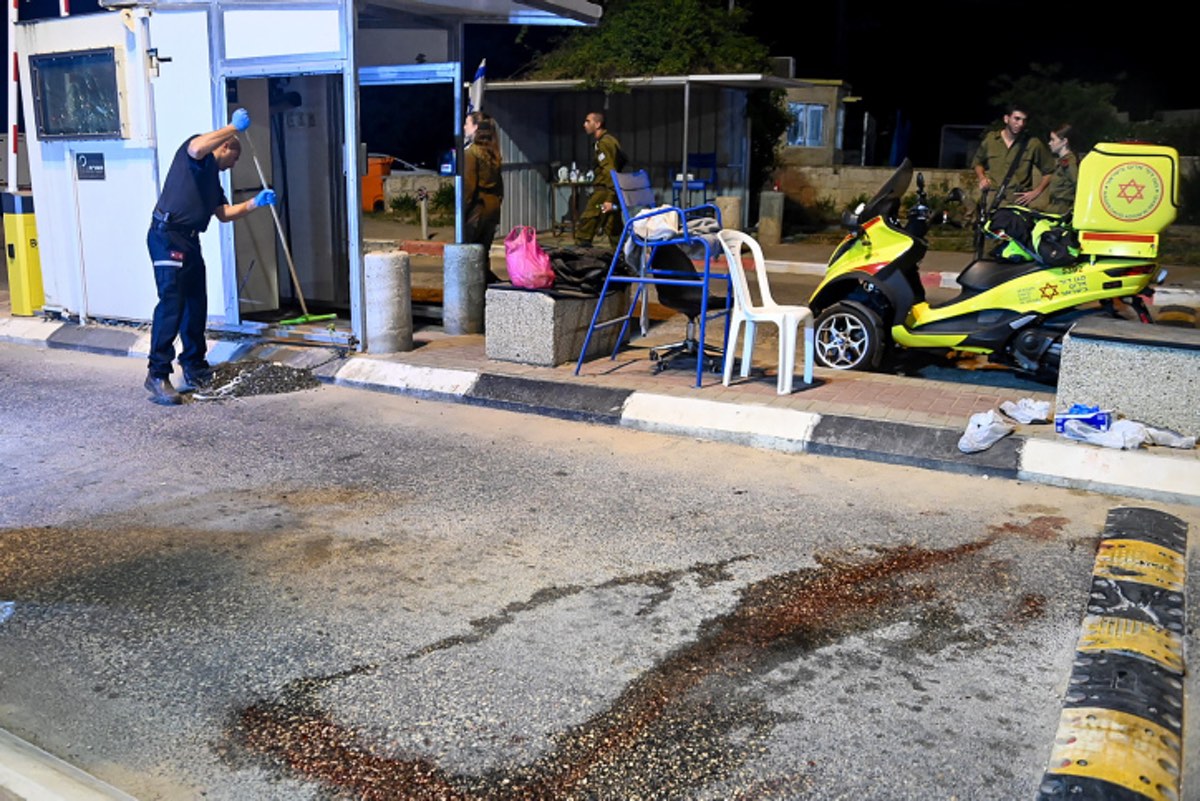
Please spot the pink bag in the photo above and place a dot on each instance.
(528, 265)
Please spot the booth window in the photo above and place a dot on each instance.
(807, 128)
(75, 95)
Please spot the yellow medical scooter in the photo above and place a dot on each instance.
(872, 302)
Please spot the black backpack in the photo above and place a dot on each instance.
(1057, 245)
(580, 269)
(1013, 226)
(622, 159)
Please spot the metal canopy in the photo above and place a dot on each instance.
(733, 81)
(525, 12)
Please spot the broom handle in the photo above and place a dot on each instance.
(278, 227)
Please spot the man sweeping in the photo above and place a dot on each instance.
(191, 196)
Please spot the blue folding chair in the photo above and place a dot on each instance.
(702, 167)
(684, 290)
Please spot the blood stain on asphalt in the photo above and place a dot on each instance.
(672, 718)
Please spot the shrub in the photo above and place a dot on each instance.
(404, 205)
(443, 199)
(1189, 198)
(801, 218)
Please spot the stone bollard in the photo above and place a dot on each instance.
(388, 323)
(770, 218)
(464, 283)
(730, 207)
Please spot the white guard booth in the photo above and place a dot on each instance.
(108, 98)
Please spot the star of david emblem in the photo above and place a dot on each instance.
(1131, 191)
(1050, 291)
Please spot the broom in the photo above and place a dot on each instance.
(304, 317)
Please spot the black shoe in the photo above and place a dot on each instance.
(161, 391)
(196, 379)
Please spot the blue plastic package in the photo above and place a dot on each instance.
(1094, 416)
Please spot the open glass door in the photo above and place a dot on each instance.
(297, 153)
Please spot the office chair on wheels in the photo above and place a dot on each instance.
(653, 250)
(685, 300)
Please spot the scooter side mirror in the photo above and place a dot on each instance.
(850, 218)
(956, 195)
(920, 182)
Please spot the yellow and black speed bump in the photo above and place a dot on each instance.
(1127, 684)
(1120, 733)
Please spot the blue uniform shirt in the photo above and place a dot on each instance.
(192, 191)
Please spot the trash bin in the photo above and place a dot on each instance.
(379, 166)
(21, 250)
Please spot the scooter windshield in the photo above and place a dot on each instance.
(886, 202)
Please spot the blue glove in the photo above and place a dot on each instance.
(265, 198)
(241, 119)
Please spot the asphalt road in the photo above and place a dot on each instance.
(334, 593)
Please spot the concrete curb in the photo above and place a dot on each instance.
(27, 330)
(744, 424)
(1159, 476)
(551, 398)
(27, 773)
(1094, 468)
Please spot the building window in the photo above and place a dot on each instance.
(807, 128)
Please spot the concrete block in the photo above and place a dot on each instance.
(1146, 373)
(548, 328)
(770, 218)
(463, 282)
(388, 325)
(730, 207)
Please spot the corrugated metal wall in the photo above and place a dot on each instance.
(541, 130)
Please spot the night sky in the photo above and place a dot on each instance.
(933, 63)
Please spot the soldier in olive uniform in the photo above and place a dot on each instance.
(1061, 194)
(995, 157)
(483, 184)
(602, 215)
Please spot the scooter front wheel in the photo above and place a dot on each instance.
(849, 336)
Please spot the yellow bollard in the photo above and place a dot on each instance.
(21, 249)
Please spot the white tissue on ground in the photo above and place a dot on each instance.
(1126, 435)
(1123, 434)
(1172, 439)
(984, 430)
(1026, 410)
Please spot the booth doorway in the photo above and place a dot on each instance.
(298, 152)
(408, 119)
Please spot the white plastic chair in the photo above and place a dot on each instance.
(746, 311)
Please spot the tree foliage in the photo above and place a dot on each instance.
(671, 37)
(655, 37)
(768, 122)
(1051, 100)
(1089, 108)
